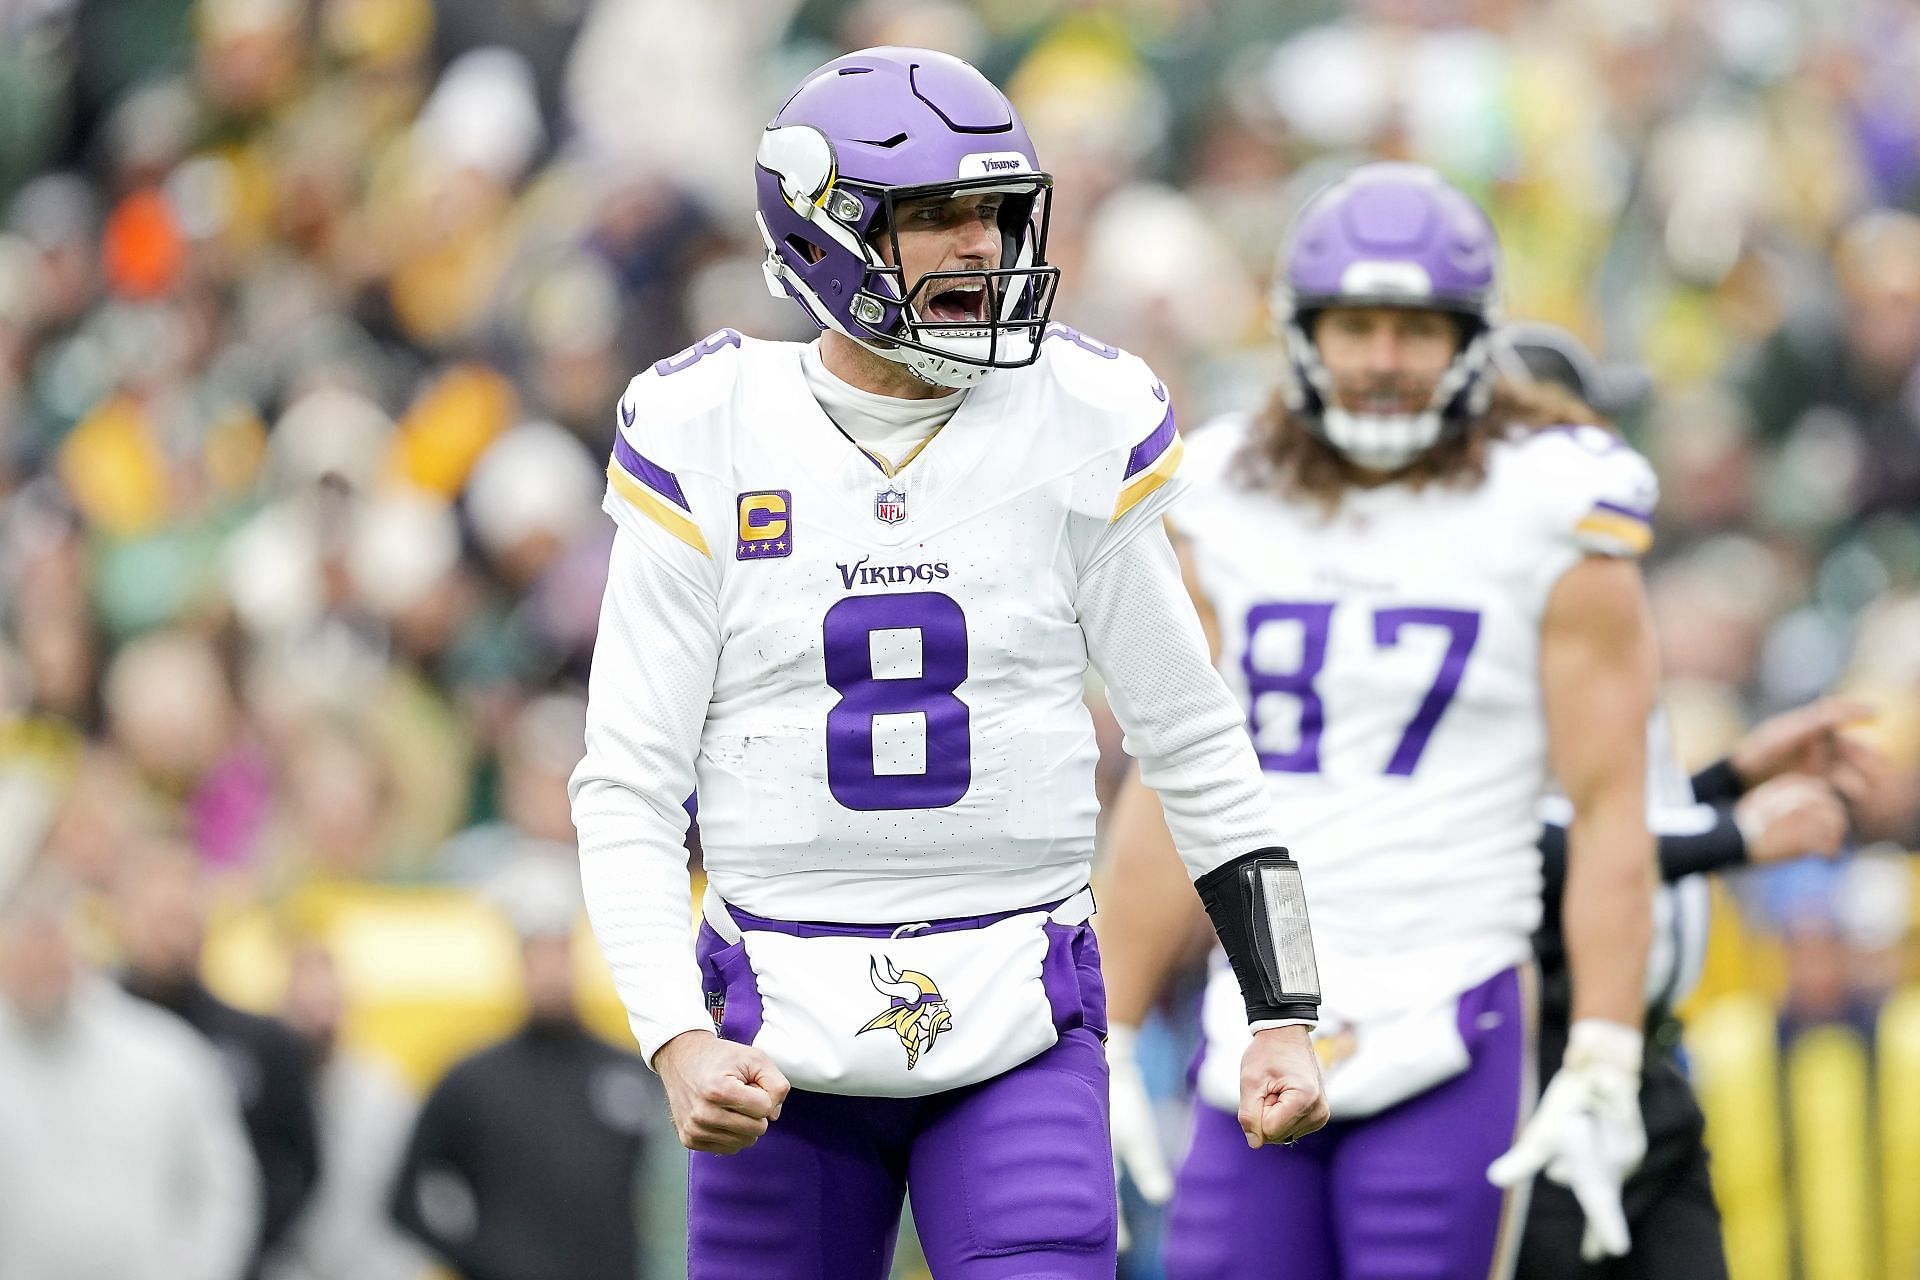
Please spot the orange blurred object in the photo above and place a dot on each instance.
(141, 245)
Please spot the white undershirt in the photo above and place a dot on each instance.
(888, 426)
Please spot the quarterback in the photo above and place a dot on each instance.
(1421, 583)
(855, 592)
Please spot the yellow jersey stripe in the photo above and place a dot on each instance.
(662, 513)
(1152, 478)
(1628, 532)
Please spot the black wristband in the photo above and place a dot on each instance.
(1717, 782)
(1721, 845)
(1258, 907)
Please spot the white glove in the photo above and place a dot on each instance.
(1587, 1133)
(1136, 1140)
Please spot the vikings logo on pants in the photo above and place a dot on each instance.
(918, 1013)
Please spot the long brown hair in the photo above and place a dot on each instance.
(1280, 452)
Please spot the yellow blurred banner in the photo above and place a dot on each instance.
(430, 974)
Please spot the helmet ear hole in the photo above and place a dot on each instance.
(809, 252)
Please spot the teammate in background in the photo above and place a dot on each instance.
(854, 594)
(1421, 581)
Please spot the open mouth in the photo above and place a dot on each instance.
(961, 304)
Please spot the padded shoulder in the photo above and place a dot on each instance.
(681, 388)
(1117, 389)
(1590, 487)
(670, 430)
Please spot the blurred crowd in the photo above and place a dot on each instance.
(313, 312)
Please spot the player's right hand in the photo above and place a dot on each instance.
(1587, 1133)
(1136, 1141)
(1791, 817)
(722, 1095)
(1282, 1095)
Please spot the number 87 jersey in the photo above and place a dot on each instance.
(1387, 656)
(896, 728)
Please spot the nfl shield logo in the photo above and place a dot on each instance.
(890, 506)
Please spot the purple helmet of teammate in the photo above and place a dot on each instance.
(1390, 235)
(861, 135)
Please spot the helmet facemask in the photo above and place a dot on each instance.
(1388, 442)
(836, 271)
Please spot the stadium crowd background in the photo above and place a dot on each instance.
(313, 314)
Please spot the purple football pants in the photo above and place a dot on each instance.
(1401, 1195)
(1011, 1177)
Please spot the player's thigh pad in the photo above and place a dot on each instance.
(818, 1197)
(1014, 1177)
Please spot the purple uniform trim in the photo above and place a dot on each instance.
(823, 929)
(1148, 451)
(1631, 513)
(652, 475)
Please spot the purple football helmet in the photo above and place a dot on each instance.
(863, 134)
(1390, 235)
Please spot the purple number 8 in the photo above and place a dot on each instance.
(1314, 620)
(1081, 341)
(694, 354)
(848, 636)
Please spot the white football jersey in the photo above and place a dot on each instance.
(898, 702)
(1387, 657)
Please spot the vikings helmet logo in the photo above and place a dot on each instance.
(918, 1013)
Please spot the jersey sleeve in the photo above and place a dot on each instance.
(659, 485)
(1604, 495)
(1179, 719)
(652, 679)
(1592, 495)
(1134, 474)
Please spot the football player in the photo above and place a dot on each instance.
(1422, 583)
(1783, 793)
(852, 602)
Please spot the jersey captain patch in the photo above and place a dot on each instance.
(766, 525)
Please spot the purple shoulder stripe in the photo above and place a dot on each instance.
(1148, 451)
(1631, 513)
(655, 477)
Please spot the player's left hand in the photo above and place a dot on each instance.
(1587, 1133)
(1282, 1096)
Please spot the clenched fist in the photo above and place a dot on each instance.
(1282, 1096)
(722, 1095)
